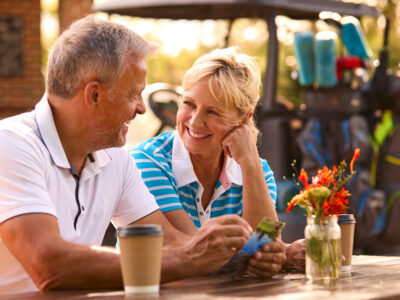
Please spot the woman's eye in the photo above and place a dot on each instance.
(213, 112)
(187, 103)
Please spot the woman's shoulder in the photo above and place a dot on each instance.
(266, 168)
(160, 144)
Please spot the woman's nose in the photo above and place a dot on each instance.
(197, 118)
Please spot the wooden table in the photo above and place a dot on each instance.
(372, 277)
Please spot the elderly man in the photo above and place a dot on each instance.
(64, 175)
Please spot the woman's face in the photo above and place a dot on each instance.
(202, 121)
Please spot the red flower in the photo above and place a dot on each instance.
(336, 203)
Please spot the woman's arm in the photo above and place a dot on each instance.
(257, 201)
(181, 221)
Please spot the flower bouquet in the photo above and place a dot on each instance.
(323, 199)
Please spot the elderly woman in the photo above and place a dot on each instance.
(210, 166)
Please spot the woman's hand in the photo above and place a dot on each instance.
(267, 262)
(239, 144)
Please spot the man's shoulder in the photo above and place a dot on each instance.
(22, 126)
(116, 154)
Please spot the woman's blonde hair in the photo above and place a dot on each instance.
(233, 79)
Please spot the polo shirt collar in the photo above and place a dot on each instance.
(48, 131)
(101, 158)
(233, 171)
(182, 167)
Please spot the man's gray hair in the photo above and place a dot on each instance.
(91, 48)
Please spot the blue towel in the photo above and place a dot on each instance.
(304, 52)
(353, 38)
(325, 48)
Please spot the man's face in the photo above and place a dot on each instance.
(124, 101)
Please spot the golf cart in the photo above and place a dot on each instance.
(277, 140)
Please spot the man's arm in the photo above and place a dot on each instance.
(295, 255)
(53, 263)
(171, 234)
(203, 252)
(213, 245)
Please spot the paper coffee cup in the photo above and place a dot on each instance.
(347, 223)
(141, 252)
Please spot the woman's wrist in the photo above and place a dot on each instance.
(250, 164)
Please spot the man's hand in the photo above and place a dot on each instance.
(295, 255)
(267, 262)
(210, 247)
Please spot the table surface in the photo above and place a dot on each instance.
(372, 277)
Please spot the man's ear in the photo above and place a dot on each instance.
(91, 93)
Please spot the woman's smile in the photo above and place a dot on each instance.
(197, 135)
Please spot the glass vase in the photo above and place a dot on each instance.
(323, 250)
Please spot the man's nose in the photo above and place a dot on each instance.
(141, 107)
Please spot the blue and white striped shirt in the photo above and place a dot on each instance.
(168, 173)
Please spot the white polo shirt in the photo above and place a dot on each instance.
(35, 177)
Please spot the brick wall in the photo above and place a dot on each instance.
(20, 93)
(71, 10)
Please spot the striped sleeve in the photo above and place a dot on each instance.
(270, 180)
(158, 178)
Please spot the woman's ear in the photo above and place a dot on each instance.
(91, 93)
(246, 118)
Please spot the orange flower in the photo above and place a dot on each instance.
(325, 176)
(355, 156)
(303, 177)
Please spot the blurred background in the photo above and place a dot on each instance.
(29, 27)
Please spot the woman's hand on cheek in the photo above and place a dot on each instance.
(239, 143)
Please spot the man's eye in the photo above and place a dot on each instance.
(132, 97)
